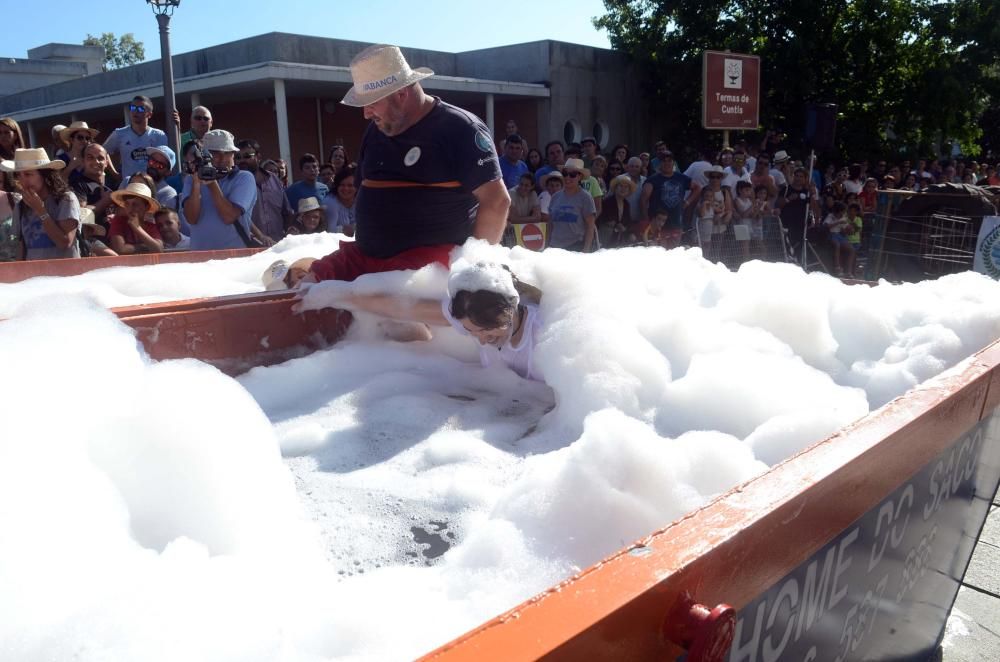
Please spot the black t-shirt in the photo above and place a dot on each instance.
(420, 182)
(797, 201)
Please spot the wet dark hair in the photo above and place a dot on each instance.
(342, 174)
(491, 310)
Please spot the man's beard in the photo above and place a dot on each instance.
(154, 174)
(252, 169)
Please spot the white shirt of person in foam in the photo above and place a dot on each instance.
(520, 357)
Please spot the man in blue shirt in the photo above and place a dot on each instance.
(555, 155)
(129, 143)
(309, 186)
(511, 165)
(219, 210)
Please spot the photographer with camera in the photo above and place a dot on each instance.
(218, 198)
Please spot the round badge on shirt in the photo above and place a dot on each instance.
(412, 156)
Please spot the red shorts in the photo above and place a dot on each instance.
(348, 262)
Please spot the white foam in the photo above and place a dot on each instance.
(480, 275)
(164, 511)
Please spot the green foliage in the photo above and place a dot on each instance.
(907, 76)
(118, 51)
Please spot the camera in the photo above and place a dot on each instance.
(202, 164)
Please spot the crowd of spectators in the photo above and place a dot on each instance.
(132, 194)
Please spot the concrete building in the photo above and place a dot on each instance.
(284, 91)
(48, 64)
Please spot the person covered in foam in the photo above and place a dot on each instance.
(485, 300)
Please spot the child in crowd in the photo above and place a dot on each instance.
(133, 230)
(855, 225)
(836, 222)
(553, 183)
(310, 218)
(743, 214)
(706, 214)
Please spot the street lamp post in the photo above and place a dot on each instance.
(164, 9)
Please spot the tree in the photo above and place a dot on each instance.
(903, 73)
(118, 51)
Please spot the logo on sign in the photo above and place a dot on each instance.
(990, 252)
(733, 77)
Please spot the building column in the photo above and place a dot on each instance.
(319, 130)
(32, 140)
(489, 115)
(195, 100)
(281, 111)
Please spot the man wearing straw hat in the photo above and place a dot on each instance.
(428, 174)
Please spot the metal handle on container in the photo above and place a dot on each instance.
(706, 634)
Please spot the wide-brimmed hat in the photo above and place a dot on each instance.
(378, 71)
(549, 175)
(31, 159)
(135, 190)
(76, 127)
(219, 140)
(87, 218)
(714, 170)
(623, 179)
(575, 164)
(308, 204)
(781, 156)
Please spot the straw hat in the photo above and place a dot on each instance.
(308, 204)
(715, 171)
(87, 218)
(31, 159)
(135, 190)
(623, 179)
(781, 156)
(575, 164)
(76, 127)
(549, 175)
(378, 71)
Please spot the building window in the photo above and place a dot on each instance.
(572, 133)
(602, 134)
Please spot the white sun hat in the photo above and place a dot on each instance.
(378, 71)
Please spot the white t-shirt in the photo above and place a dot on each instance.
(520, 358)
(779, 177)
(852, 186)
(696, 171)
(730, 179)
(544, 198)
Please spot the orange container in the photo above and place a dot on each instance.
(829, 555)
(15, 272)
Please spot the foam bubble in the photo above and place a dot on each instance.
(163, 510)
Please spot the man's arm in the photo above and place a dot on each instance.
(229, 212)
(491, 219)
(591, 230)
(192, 203)
(647, 192)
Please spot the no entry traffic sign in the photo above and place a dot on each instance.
(531, 236)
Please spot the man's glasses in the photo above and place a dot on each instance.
(201, 118)
(137, 109)
(243, 156)
(157, 165)
(572, 173)
(83, 137)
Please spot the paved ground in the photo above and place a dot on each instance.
(973, 633)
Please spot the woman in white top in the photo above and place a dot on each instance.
(485, 301)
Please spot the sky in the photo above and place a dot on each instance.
(430, 24)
